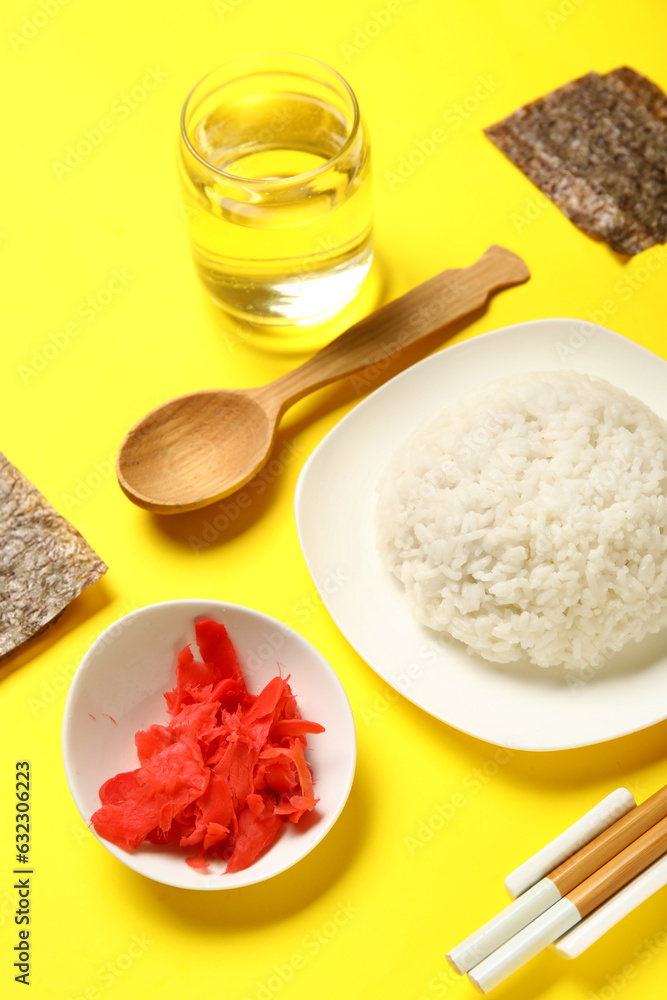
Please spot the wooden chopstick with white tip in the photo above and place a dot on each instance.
(610, 842)
(558, 883)
(573, 907)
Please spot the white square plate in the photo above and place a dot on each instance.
(514, 705)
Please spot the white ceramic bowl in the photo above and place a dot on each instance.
(118, 689)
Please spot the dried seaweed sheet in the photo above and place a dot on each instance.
(597, 147)
(44, 562)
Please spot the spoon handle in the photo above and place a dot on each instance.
(441, 300)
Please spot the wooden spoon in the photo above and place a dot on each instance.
(200, 447)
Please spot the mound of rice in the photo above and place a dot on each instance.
(530, 519)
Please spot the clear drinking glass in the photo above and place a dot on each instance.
(275, 169)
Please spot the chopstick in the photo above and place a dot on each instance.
(573, 907)
(558, 883)
(610, 842)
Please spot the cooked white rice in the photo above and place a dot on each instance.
(530, 518)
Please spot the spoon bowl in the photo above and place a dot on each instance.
(201, 447)
(195, 450)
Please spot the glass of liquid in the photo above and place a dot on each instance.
(275, 168)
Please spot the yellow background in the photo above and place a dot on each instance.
(98, 929)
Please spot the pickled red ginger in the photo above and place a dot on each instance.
(224, 774)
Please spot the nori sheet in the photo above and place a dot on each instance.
(597, 147)
(44, 561)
